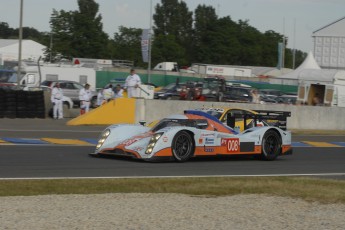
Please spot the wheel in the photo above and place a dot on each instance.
(271, 145)
(182, 146)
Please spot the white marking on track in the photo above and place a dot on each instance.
(158, 177)
(50, 130)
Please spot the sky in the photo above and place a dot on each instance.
(297, 19)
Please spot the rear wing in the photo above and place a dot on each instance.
(271, 118)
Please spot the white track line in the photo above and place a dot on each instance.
(162, 177)
(50, 130)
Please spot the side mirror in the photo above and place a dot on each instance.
(142, 123)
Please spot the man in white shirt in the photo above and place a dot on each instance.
(133, 81)
(56, 99)
(108, 93)
(118, 91)
(85, 98)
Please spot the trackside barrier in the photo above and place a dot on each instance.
(121, 110)
(302, 117)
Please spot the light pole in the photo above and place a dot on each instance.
(150, 41)
(20, 43)
(51, 47)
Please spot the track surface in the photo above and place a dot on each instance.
(46, 161)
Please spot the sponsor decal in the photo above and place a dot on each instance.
(201, 141)
(129, 141)
(232, 144)
(209, 141)
(209, 150)
(165, 139)
(207, 135)
(138, 149)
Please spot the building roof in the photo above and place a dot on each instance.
(7, 42)
(308, 63)
(336, 28)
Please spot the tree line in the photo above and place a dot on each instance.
(180, 35)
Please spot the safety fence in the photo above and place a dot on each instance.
(22, 104)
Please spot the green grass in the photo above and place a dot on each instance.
(316, 132)
(309, 189)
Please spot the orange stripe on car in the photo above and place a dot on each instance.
(167, 152)
(286, 148)
(221, 150)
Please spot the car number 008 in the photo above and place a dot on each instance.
(232, 144)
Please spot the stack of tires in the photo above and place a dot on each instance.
(22, 104)
(10, 104)
(2, 103)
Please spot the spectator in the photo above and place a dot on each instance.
(108, 93)
(255, 96)
(118, 92)
(316, 99)
(84, 98)
(133, 81)
(100, 97)
(56, 99)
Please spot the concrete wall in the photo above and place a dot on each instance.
(302, 117)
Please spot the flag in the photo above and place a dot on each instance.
(280, 55)
(145, 44)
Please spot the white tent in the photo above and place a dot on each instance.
(325, 76)
(291, 78)
(31, 50)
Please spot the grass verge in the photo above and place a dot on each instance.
(309, 189)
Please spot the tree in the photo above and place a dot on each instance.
(62, 28)
(205, 20)
(251, 49)
(173, 19)
(224, 43)
(5, 30)
(79, 33)
(127, 45)
(165, 48)
(270, 42)
(89, 40)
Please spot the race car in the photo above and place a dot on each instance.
(192, 134)
(221, 113)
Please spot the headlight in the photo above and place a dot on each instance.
(161, 95)
(103, 137)
(153, 142)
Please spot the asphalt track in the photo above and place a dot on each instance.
(40, 157)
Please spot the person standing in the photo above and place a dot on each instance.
(85, 98)
(133, 81)
(316, 99)
(100, 98)
(255, 96)
(56, 99)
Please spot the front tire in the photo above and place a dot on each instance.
(182, 146)
(271, 145)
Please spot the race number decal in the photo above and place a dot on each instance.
(232, 145)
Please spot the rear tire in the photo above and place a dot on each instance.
(182, 146)
(271, 145)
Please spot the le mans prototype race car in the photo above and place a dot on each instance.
(192, 134)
